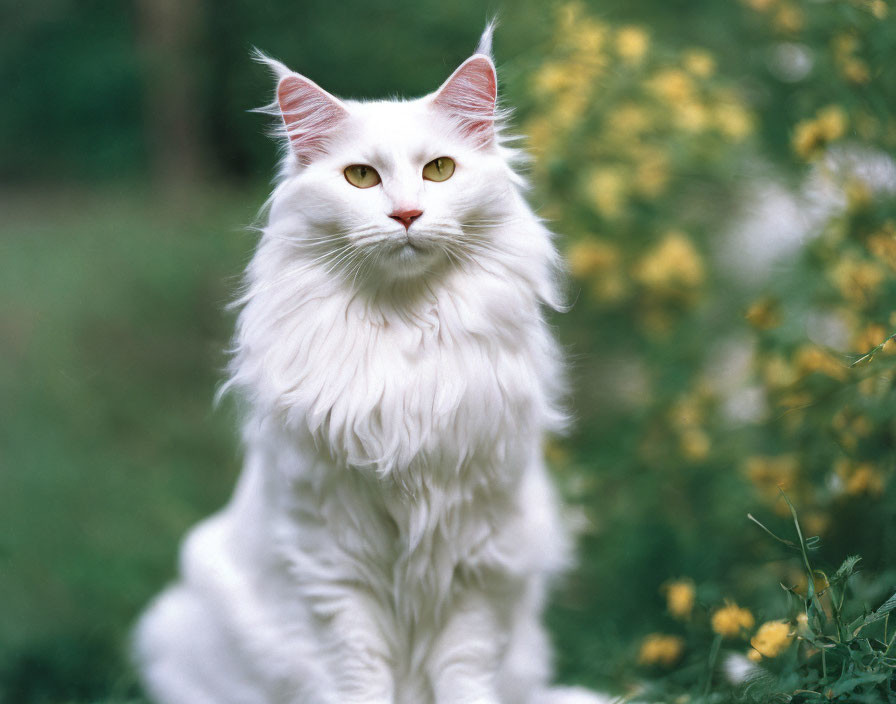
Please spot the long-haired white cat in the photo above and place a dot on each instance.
(393, 532)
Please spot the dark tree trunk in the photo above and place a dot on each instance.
(168, 33)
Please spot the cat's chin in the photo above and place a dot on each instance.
(410, 259)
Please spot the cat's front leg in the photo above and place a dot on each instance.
(357, 630)
(468, 653)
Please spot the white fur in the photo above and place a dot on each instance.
(394, 529)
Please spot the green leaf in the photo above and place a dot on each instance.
(846, 570)
(885, 608)
(851, 683)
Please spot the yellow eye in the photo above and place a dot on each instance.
(439, 169)
(361, 175)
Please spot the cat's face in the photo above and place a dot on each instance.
(393, 190)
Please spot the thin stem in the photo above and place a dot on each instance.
(890, 646)
(711, 665)
(788, 543)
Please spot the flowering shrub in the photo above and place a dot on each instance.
(826, 650)
(708, 377)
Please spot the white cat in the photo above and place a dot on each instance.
(394, 530)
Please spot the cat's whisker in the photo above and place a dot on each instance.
(342, 260)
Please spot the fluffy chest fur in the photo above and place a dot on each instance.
(427, 379)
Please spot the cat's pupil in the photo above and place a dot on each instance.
(439, 165)
(362, 171)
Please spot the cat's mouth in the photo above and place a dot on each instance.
(411, 243)
(412, 248)
(406, 254)
(411, 254)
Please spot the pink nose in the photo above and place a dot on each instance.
(406, 217)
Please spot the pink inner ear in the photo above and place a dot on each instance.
(309, 113)
(469, 96)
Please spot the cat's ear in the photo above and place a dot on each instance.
(469, 95)
(309, 114)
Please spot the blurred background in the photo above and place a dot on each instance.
(721, 178)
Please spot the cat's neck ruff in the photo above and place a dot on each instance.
(428, 376)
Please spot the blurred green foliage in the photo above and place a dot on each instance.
(702, 381)
(704, 387)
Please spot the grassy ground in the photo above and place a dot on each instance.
(111, 335)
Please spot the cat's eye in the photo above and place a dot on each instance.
(361, 175)
(439, 169)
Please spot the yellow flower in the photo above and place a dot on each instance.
(882, 244)
(778, 373)
(764, 314)
(731, 620)
(588, 36)
(542, 133)
(661, 649)
(568, 108)
(686, 412)
(807, 138)
(632, 43)
(754, 656)
(810, 358)
(606, 188)
(812, 135)
(856, 71)
(672, 85)
(699, 62)
(789, 19)
(680, 596)
(695, 444)
(879, 9)
(870, 337)
(691, 116)
(816, 523)
(609, 288)
(598, 261)
(849, 426)
(651, 173)
(832, 121)
(628, 120)
(733, 120)
(819, 584)
(672, 264)
(843, 45)
(591, 257)
(860, 478)
(772, 638)
(769, 474)
(859, 281)
(551, 78)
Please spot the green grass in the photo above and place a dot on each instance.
(111, 334)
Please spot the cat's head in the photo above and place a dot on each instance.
(393, 189)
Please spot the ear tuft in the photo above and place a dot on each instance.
(309, 114)
(469, 96)
(485, 41)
